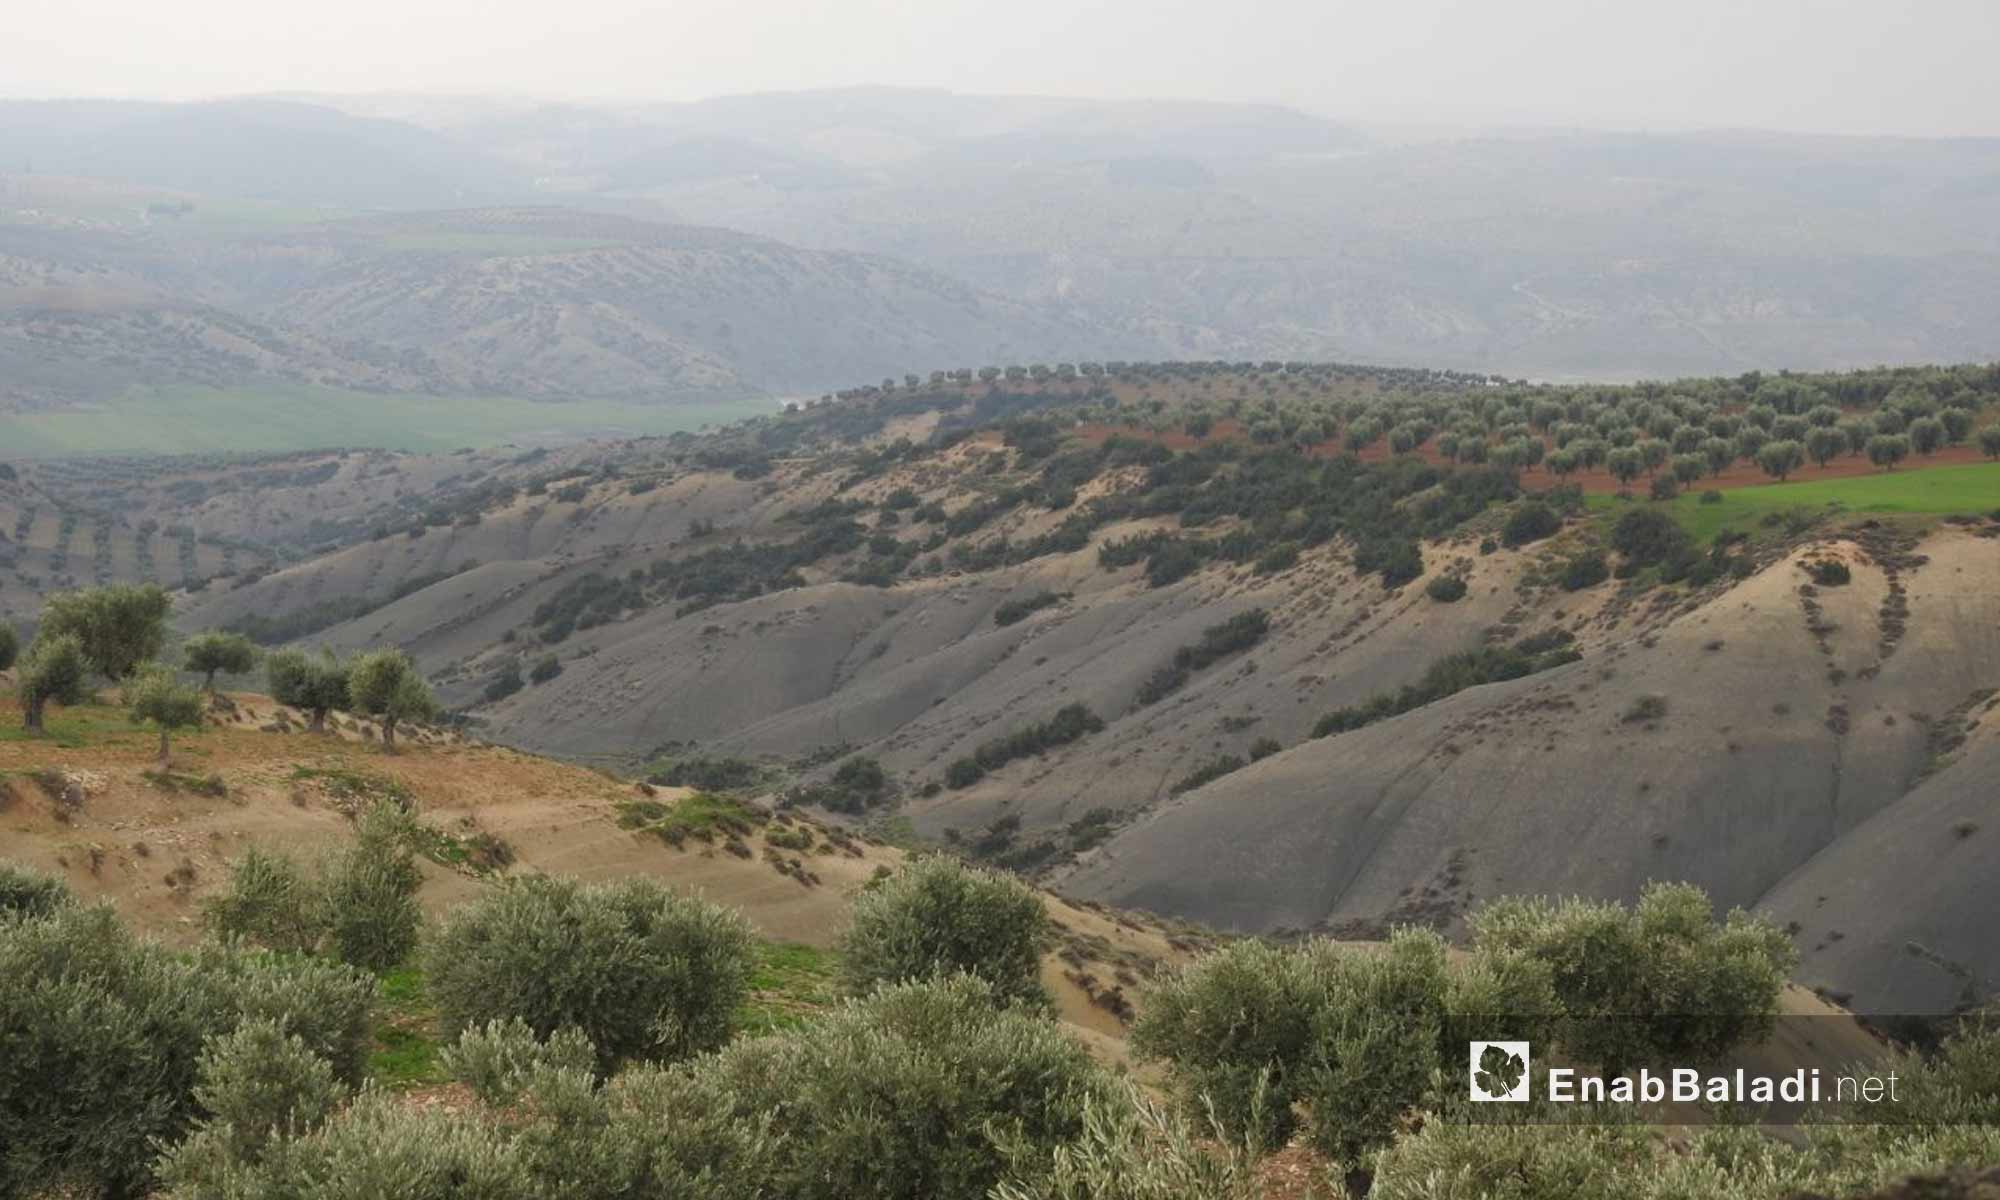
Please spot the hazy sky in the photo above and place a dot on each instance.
(1873, 66)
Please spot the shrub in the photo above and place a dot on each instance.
(10, 646)
(257, 1083)
(1446, 589)
(269, 902)
(1656, 984)
(1645, 708)
(1264, 748)
(1711, 496)
(1014, 611)
(1530, 522)
(1208, 772)
(1664, 487)
(545, 669)
(28, 894)
(938, 917)
(371, 893)
(1830, 572)
(1647, 535)
(1237, 634)
(1068, 724)
(500, 1059)
(924, 1089)
(1133, 1149)
(1452, 674)
(642, 972)
(104, 1032)
(505, 682)
(1281, 557)
(1584, 570)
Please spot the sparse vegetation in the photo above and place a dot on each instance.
(1070, 723)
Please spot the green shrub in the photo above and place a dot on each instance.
(1132, 1149)
(10, 646)
(924, 1089)
(256, 1083)
(1648, 535)
(1208, 772)
(1014, 611)
(104, 1031)
(545, 669)
(939, 917)
(1066, 725)
(1446, 589)
(1530, 522)
(271, 902)
(371, 892)
(28, 894)
(642, 972)
(500, 1059)
(1583, 571)
(1830, 572)
(1711, 985)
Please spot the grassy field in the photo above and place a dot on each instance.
(193, 420)
(1940, 490)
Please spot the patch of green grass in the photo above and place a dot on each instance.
(188, 420)
(406, 1048)
(1917, 490)
(790, 985)
(702, 816)
(75, 728)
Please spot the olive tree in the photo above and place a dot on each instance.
(645, 973)
(1989, 441)
(1661, 982)
(315, 686)
(118, 627)
(159, 699)
(1780, 458)
(53, 669)
(939, 917)
(216, 653)
(1885, 450)
(386, 684)
(10, 647)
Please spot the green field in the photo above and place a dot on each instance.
(185, 420)
(1940, 490)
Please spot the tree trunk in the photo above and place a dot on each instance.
(316, 722)
(389, 734)
(165, 759)
(31, 717)
(211, 682)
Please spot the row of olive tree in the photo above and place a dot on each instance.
(119, 633)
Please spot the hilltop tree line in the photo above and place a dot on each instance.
(119, 634)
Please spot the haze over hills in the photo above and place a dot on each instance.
(788, 244)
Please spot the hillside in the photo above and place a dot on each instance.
(894, 230)
(106, 306)
(1266, 681)
(89, 806)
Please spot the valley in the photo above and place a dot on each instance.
(1273, 677)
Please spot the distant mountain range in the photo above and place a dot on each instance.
(562, 250)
